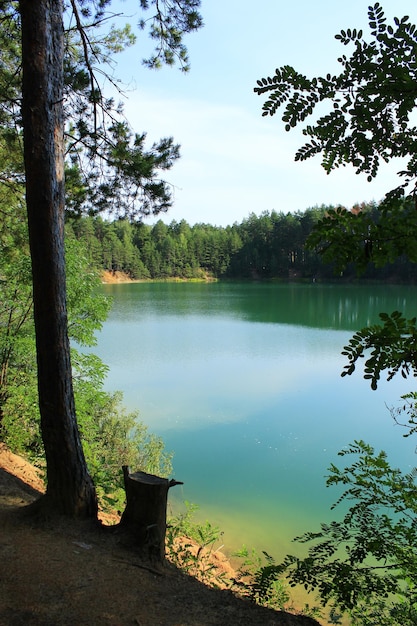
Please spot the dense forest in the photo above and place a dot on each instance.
(271, 245)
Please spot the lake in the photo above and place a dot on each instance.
(242, 381)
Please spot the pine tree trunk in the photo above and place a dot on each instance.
(70, 490)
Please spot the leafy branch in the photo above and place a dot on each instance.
(167, 26)
(392, 345)
(365, 562)
(372, 99)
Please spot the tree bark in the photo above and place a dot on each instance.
(146, 511)
(70, 490)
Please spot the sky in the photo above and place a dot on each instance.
(235, 162)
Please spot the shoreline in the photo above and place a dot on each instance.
(117, 277)
(108, 277)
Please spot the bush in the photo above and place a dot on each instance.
(364, 564)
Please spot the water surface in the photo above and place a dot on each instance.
(243, 383)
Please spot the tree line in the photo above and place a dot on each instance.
(270, 245)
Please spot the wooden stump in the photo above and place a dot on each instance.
(146, 511)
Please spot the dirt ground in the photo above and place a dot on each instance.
(66, 573)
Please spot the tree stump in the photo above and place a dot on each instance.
(146, 511)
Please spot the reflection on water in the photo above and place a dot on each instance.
(315, 305)
(243, 383)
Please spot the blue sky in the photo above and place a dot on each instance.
(233, 160)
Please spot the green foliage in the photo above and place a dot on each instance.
(169, 23)
(258, 582)
(190, 546)
(20, 428)
(364, 563)
(377, 234)
(392, 345)
(110, 436)
(257, 579)
(87, 308)
(10, 61)
(123, 179)
(409, 410)
(108, 165)
(271, 245)
(17, 356)
(372, 99)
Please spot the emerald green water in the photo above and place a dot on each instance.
(243, 383)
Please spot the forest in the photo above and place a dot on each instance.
(68, 154)
(272, 245)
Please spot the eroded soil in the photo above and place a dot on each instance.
(64, 573)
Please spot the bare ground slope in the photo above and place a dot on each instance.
(65, 573)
